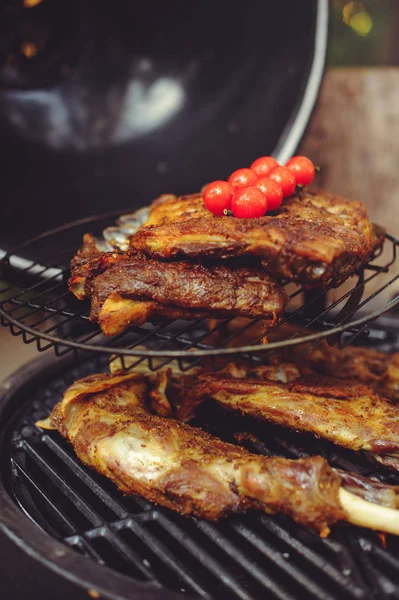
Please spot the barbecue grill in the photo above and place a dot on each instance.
(64, 529)
(76, 527)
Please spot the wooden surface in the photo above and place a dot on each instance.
(354, 136)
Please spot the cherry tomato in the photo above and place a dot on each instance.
(242, 177)
(302, 168)
(217, 197)
(285, 179)
(272, 191)
(248, 202)
(263, 165)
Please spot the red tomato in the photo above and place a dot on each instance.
(263, 165)
(217, 197)
(248, 202)
(242, 177)
(272, 191)
(285, 179)
(302, 168)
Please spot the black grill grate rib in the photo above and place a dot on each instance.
(245, 557)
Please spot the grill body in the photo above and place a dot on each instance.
(66, 530)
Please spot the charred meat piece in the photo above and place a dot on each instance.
(88, 251)
(181, 467)
(350, 415)
(132, 289)
(378, 370)
(170, 209)
(313, 238)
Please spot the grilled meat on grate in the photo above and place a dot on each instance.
(132, 289)
(170, 209)
(314, 238)
(378, 370)
(350, 415)
(194, 473)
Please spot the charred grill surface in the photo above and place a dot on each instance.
(313, 238)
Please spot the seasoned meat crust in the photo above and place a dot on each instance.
(314, 238)
(169, 209)
(182, 467)
(350, 415)
(131, 289)
(87, 252)
(378, 370)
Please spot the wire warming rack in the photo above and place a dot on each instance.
(35, 304)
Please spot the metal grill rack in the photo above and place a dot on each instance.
(36, 305)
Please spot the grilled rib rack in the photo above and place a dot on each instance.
(36, 304)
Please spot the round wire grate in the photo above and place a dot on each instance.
(36, 304)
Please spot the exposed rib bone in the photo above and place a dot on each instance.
(367, 514)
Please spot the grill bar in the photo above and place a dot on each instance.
(22, 473)
(170, 560)
(69, 493)
(295, 546)
(214, 566)
(290, 571)
(252, 569)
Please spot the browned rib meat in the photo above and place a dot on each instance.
(88, 251)
(194, 473)
(314, 238)
(133, 289)
(378, 370)
(348, 414)
(170, 209)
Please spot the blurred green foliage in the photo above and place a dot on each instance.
(363, 33)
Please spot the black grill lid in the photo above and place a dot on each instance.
(156, 97)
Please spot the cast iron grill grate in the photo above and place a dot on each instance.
(246, 557)
(37, 306)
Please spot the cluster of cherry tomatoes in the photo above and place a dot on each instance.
(249, 193)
